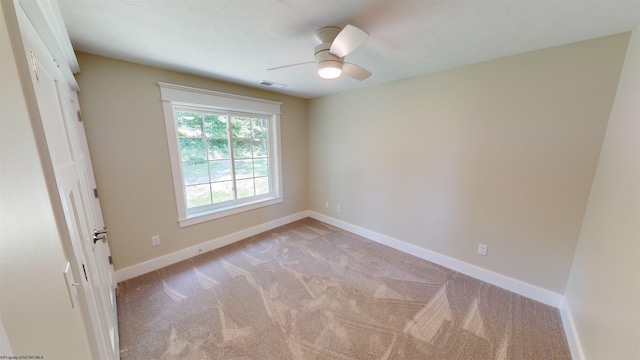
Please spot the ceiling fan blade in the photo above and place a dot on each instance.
(355, 71)
(286, 66)
(347, 40)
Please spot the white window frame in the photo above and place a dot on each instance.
(176, 96)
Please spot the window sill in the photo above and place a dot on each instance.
(223, 212)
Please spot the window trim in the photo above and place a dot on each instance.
(177, 95)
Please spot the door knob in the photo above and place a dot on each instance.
(98, 232)
(100, 235)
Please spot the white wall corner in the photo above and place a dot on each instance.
(169, 259)
(533, 292)
(570, 330)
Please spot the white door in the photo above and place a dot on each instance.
(68, 150)
(96, 240)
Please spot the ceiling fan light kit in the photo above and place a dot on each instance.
(329, 65)
(335, 44)
(329, 69)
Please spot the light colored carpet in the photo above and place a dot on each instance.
(311, 291)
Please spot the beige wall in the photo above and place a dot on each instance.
(34, 304)
(501, 153)
(603, 292)
(127, 139)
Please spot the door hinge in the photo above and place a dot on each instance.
(79, 114)
(34, 66)
(95, 193)
(110, 260)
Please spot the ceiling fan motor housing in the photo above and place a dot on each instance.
(327, 34)
(322, 54)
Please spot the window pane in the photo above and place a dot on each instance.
(215, 126)
(198, 195)
(260, 128)
(260, 147)
(240, 127)
(261, 167)
(222, 191)
(262, 185)
(192, 149)
(244, 169)
(189, 124)
(195, 172)
(242, 149)
(218, 148)
(245, 188)
(220, 170)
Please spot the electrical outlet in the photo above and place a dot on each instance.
(326, 204)
(338, 208)
(155, 240)
(482, 249)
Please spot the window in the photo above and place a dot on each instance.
(224, 150)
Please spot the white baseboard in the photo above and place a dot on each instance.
(533, 292)
(518, 287)
(570, 331)
(169, 259)
(507, 283)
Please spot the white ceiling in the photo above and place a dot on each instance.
(237, 40)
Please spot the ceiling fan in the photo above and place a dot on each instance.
(335, 44)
